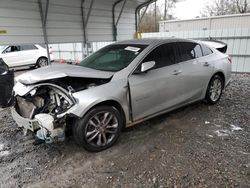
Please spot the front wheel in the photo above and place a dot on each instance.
(214, 90)
(99, 129)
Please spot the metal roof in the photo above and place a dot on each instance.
(57, 21)
(62, 21)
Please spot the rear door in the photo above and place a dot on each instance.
(157, 89)
(6, 84)
(28, 55)
(196, 70)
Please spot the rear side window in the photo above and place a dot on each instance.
(188, 51)
(197, 51)
(163, 55)
(206, 50)
(28, 47)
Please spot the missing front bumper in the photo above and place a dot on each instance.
(42, 125)
(26, 123)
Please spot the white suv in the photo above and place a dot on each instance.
(25, 55)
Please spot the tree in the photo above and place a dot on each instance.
(155, 13)
(225, 7)
(149, 22)
(242, 6)
(168, 4)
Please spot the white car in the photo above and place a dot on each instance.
(25, 55)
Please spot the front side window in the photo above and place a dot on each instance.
(163, 55)
(12, 49)
(113, 58)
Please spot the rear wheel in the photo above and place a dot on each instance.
(214, 90)
(99, 129)
(42, 62)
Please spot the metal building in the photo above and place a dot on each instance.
(232, 29)
(211, 23)
(58, 21)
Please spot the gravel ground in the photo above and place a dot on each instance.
(196, 146)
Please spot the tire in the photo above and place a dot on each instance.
(214, 89)
(42, 62)
(94, 133)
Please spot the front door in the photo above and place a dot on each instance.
(11, 56)
(157, 89)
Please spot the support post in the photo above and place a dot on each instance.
(84, 24)
(44, 25)
(155, 16)
(137, 10)
(141, 17)
(115, 23)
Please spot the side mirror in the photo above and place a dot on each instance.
(147, 66)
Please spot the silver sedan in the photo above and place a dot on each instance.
(118, 86)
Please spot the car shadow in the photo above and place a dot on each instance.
(163, 117)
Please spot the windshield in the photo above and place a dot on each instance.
(113, 58)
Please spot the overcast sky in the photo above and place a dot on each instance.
(188, 9)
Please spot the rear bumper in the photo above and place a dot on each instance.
(26, 123)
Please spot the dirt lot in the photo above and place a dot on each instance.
(197, 146)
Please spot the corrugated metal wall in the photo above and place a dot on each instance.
(212, 23)
(75, 51)
(21, 23)
(233, 30)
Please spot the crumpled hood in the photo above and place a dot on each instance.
(59, 71)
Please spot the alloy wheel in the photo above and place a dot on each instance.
(101, 129)
(215, 90)
(42, 62)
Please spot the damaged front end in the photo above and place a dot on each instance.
(42, 109)
(44, 98)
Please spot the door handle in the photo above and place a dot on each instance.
(176, 72)
(206, 64)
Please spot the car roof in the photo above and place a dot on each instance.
(149, 41)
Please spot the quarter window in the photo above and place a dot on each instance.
(163, 55)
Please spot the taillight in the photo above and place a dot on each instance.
(229, 59)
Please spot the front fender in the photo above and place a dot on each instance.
(113, 91)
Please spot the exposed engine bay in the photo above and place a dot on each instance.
(46, 105)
